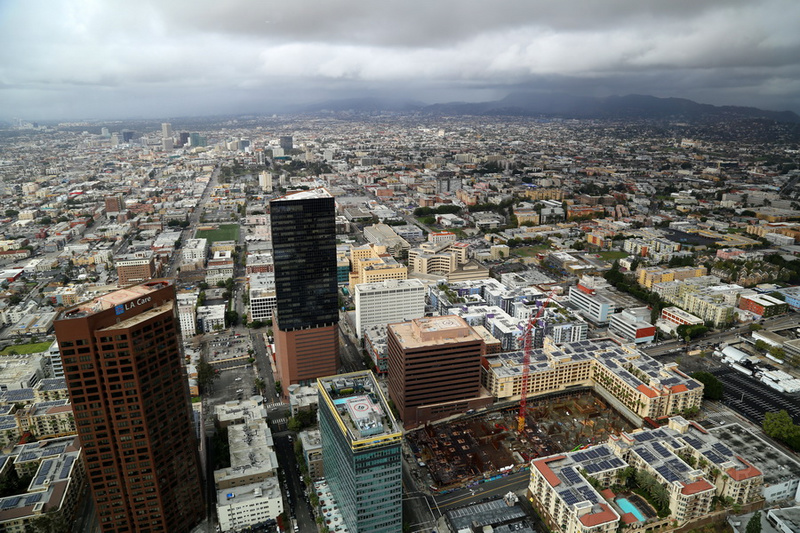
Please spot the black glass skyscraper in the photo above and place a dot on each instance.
(304, 252)
(304, 248)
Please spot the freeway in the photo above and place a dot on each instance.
(673, 346)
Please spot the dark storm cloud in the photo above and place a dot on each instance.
(179, 56)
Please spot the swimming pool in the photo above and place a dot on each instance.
(628, 507)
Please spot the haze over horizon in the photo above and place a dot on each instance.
(99, 59)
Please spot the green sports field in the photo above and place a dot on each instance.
(226, 232)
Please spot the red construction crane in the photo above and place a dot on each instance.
(527, 349)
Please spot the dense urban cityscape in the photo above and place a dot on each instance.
(386, 322)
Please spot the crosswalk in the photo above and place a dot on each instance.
(279, 421)
(274, 405)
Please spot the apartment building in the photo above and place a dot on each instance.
(372, 263)
(561, 491)
(647, 276)
(441, 259)
(634, 380)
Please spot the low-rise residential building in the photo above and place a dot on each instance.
(763, 305)
(651, 275)
(56, 487)
(562, 493)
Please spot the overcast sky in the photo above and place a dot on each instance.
(63, 59)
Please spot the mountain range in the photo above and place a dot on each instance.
(554, 105)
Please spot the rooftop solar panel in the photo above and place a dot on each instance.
(33, 498)
(10, 503)
(660, 450)
(722, 449)
(572, 476)
(647, 456)
(693, 442)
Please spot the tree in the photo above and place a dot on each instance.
(712, 386)
(52, 521)
(294, 425)
(754, 524)
(278, 387)
(205, 375)
(780, 426)
(231, 318)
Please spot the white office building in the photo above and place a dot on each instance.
(592, 306)
(263, 299)
(194, 251)
(241, 507)
(388, 301)
(211, 316)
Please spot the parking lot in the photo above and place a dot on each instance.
(752, 398)
(223, 346)
(232, 384)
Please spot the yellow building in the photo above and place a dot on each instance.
(372, 263)
(651, 275)
(545, 194)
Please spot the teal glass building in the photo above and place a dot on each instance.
(361, 452)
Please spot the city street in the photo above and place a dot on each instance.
(516, 483)
(296, 504)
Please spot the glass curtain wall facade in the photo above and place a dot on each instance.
(304, 251)
(364, 474)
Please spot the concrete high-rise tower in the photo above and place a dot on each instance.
(166, 130)
(304, 252)
(123, 364)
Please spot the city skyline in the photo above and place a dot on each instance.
(148, 60)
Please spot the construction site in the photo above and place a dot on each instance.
(483, 445)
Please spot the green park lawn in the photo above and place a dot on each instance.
(529, 251)
(226, 232)
(612, 255)
(22, 349)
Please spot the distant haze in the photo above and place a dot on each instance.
(70, 59)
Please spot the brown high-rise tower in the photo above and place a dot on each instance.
(122, 362)
(434, 368)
